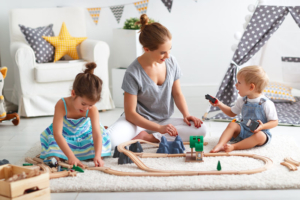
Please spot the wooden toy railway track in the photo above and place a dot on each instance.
(155, 172)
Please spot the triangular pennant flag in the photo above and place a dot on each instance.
(142, 6)
(168, 4)
(117, 11)
(94, 12)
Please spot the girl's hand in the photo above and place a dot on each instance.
(98, 161)
(259, 128)
(216, 104)
(170, 129)
(75, 161)
(196, 121)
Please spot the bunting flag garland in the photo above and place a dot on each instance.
(168, 4)
(94, 12)
(142, 6)
(117, 11)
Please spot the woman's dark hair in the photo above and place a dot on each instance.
(87, 84)
(152, 34)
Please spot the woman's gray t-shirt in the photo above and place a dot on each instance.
(154, 102)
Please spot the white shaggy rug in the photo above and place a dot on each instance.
(278, 177)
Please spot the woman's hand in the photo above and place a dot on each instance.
(74, 161)
(196, 121)
(259, 128)
(98, 161)
(170, 129)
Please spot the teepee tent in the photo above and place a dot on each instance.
(266, 19)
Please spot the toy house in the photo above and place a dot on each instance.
(197, 143)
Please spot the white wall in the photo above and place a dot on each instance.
(202, 32)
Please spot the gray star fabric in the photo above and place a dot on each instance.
(290, 59)
(168, 4)
(295, 12)
(43, 50)
(264, 22)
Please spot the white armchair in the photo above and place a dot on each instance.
(39, 86)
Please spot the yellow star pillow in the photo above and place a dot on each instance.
(64, 43)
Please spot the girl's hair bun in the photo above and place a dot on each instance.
(144, 20)
(90, 68)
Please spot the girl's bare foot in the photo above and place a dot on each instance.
(217, 148)
(228, 148)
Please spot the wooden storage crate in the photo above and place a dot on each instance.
(16, 190)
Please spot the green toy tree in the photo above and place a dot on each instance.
(219, 166)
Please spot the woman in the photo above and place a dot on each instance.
(151, 84)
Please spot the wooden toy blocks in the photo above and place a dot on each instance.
(24, 183)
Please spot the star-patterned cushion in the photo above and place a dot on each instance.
(65, 44)
(43, 50)
(278, 92)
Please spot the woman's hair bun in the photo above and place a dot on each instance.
(144, 20)
(90, 68)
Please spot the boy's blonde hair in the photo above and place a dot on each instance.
(256, 75)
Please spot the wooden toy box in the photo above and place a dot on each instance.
(19, 190)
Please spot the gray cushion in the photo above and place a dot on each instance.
(43, 50)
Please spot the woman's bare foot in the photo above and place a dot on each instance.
(217, 148)
(228, 148)
(143, 135)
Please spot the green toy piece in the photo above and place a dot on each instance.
(219, 168)
(199, 146)
(194, 140)
(27, 164)
(77, 168)
(197, 143)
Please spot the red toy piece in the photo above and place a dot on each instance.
(211, 99)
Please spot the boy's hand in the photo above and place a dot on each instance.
(216, 104)
(196, 121)
(259, 128)
(75, 161)
(98, 161)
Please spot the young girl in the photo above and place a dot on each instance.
(152, 86)
(76, 133)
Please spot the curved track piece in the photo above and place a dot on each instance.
(290, 166)
(292, 161)
(154, 172)
(30, 160)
